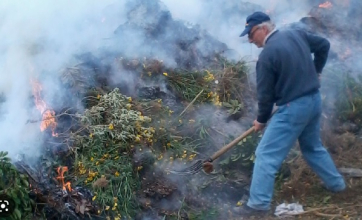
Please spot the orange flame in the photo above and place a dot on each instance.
(48, 115)
(61, 170)
(326, 4)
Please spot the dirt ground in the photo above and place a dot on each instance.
(305, 187)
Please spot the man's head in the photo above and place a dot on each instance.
(258, 26)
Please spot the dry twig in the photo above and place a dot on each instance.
(192, 102)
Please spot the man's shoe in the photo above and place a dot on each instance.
(333, 190)
(246, 211)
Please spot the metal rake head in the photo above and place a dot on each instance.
(195, 168)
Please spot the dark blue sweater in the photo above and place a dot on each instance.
(286, 69)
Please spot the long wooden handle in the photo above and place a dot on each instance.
(227, 147)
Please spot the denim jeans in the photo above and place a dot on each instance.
(297, 120)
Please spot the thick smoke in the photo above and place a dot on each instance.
(38, 39)
(225, 19)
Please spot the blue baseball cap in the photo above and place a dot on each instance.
(253, 20)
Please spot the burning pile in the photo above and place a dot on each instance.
(115, 147)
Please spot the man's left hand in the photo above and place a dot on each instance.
(258, 126)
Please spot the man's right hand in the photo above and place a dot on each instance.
(258, 126)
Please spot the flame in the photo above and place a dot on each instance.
(326, 4)
(48, 115)
(61, 170)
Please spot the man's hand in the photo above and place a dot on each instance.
(258, 126)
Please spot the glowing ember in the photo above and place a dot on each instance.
(326, 4)
(60, 177)
(48, 115)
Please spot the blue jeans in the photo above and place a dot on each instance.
(297, 120)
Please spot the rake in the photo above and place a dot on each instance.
(207, 163)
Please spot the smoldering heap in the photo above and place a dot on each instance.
(114, 151)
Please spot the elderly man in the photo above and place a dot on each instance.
(288, 76)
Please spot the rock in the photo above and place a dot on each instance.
(351, 172)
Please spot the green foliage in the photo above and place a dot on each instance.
(233, 106)
(188, 84)
(104, 148)
(203, 215)
(242, 156)
(349, 99)
(16, 186)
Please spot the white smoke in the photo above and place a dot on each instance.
(38, 39)
(215, 17)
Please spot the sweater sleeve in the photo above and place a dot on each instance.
(319, 46)
(265, 78)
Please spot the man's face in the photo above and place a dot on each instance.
(257, 35)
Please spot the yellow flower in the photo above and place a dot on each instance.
(97, 163)
(149, 73)
(94, 198)
(91, 159)
(165, 74)
(117, 218)
(111, 127)
(159, 101)
(91, 135)
(191, 157)
(92, 174)
(98, 96)
(139, 168)
(239, 204)
(209, 76)
(128, 106)
(129, 99)
(116, 173)
(168, 144)
(114, 208)
(107, 207)
(138, 139)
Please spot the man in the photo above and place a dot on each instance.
(288, 76)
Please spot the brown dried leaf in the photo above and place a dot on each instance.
(100, 183)
(82, 207)
(77, 208)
